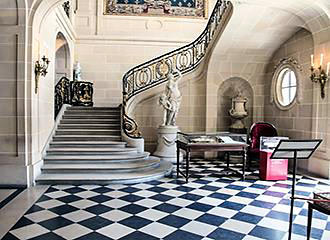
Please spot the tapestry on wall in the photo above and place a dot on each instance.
(177, 8)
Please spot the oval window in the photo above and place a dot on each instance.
(286, 87)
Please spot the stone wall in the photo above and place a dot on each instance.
(108, 46)
(309, 117)
(295, 122)
(12, 82)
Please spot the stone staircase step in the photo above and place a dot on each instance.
(92, 108)
(89, 121)
(96, 158)
(89, 126)
(91, 116)
(162, 170)
(87, 148)
(86, 138)
(90, 151)
(97, 112)
(111, 132)
(101, 168)
(97, 144)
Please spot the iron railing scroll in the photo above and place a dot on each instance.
(66, 8)
(76, 93)
(154, 72)
(81, 93)
(62, 94)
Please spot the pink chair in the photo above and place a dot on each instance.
(258, 130)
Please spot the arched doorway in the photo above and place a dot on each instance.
(62, 58)
(227, 90)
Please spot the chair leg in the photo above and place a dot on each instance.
(309, 221)
(249, 163)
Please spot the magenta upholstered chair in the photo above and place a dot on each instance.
(258, 130)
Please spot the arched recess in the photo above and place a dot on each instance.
(62, 58)
(227, 90)
(45, 21)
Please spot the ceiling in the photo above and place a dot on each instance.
(260, 27)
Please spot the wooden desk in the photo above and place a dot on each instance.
(208, 147)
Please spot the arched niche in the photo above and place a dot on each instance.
(227, 90)
(62, 58)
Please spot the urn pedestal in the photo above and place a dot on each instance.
(166, 145)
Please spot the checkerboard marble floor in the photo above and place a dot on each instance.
(208, 207)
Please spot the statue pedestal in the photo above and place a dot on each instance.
(166, 147)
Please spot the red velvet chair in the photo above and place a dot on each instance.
(256, 131)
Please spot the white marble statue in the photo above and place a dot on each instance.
(171, 99)
(77, 72)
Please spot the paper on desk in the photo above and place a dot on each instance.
(227, 139)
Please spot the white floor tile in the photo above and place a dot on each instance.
(115, 230)
(188, 213)
(149, 203)
(237, 226)
(116, 215)
(201, 192)
(57, 194)
(29, 231)
(86, 194)
(211, 201)
(241, 200)
(223, 212)
(174, 193)
(267, 198)
(152, 214)
(72, 231)
(78, 216)
(145, 193)
(49, 204)
(255, 210)
(158, 230)
(41, 216)
(116, 194)
(274, 224)
(116, 203)
(82, 204)
(228, 191)
(180, 202)
(286, 208)
(199, 228)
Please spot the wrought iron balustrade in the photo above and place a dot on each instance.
(154, 72)
(77, 93)
(62, 94)
(81, 93)
(66, 8)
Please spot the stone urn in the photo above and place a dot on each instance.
(238, 113)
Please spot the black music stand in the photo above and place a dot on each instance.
(295, 149)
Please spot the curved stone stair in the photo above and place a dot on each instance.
(87, 149)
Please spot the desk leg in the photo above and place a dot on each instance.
(177, 161)
(309, 220)
(244, 162)
(187, 165)
(227, 158)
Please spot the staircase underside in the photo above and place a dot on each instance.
(87, 149)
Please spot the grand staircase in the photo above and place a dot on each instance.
(87, 149)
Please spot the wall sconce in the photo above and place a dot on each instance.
(319, 75)
(40, 69)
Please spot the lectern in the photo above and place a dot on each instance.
(295, 149)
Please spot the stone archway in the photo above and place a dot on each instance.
(227, 90)
(62, 58)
